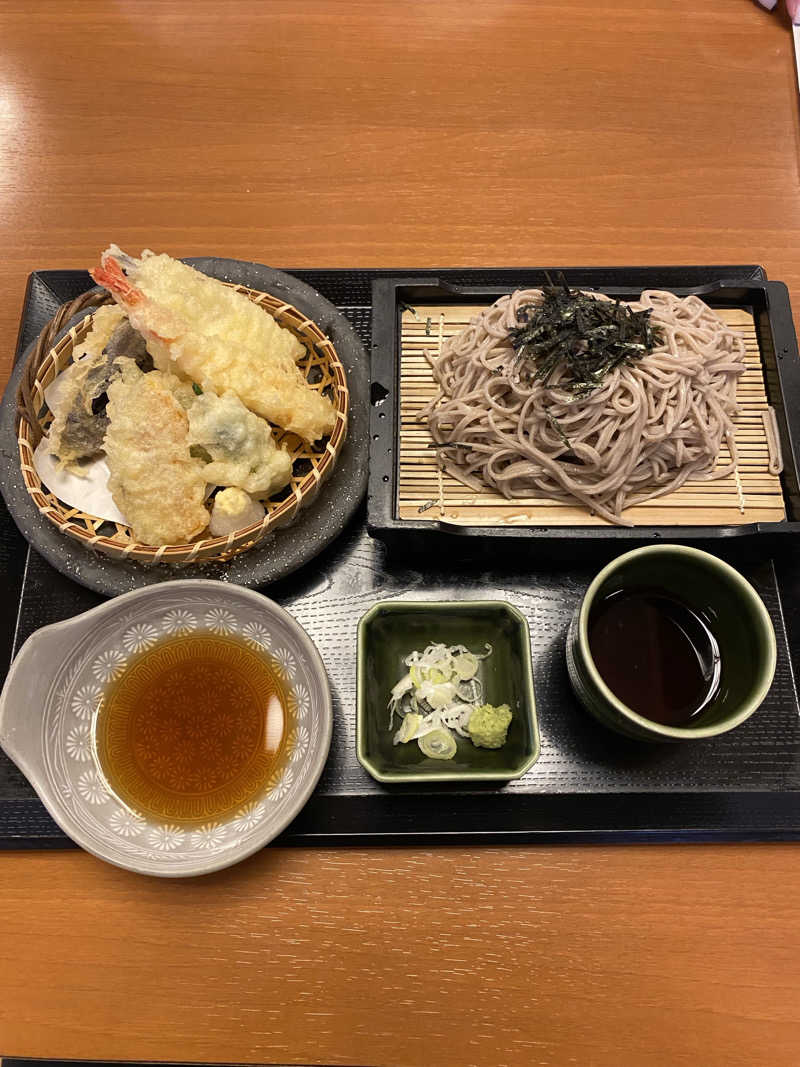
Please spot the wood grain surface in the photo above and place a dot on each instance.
(370, 133)
(602, 956)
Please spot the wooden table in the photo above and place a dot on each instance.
(418, 134)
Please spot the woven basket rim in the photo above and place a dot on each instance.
(204, 549)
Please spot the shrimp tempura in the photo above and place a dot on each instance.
(154, 481)
(207, 333)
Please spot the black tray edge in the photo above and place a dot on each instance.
(508, 818)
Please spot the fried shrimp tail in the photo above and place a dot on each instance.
(112, 277)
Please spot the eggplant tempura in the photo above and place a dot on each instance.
(79, 416)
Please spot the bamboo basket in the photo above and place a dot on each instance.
(752, 493)
(312, 466)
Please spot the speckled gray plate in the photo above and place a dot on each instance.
(279, 554)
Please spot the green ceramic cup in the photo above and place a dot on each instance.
(736, 614)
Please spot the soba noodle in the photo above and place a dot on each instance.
(650, 426)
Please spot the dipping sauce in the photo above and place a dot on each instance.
(194, 728)
(655, 653)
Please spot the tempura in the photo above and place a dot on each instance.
(239, 444)
(208, 333)
(157, 485)
(233, 510)
(76, 433)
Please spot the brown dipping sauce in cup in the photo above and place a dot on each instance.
(656, 654)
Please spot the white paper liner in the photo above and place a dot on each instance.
(90, 493)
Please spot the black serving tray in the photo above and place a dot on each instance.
(723, 286)
(589, 784)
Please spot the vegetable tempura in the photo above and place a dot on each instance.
(238, 444)
(202, 330)
(77, 432)
(154, 481)
(233, 510)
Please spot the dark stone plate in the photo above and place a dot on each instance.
(282, 551)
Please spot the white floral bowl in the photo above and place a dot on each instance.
(50, 702)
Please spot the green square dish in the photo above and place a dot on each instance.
(390, 631)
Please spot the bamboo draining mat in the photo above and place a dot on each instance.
(750, 495)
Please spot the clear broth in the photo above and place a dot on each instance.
(194, 728)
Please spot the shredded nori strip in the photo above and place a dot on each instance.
(558, 428)
(592, 337)
(452, 444)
